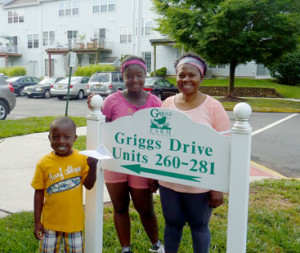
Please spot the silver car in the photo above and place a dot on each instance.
(78, 87)
(42, 89)
(105, 83)
(7, 98)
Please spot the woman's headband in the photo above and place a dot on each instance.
(193, 61)
(133, 61)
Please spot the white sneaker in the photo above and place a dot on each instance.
(158, 249)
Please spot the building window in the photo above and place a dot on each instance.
(104, 6)
(32, 68)
(47, 67)
(33, 41)
(92, 60)
(68, 8)
(72, 38)
(48, 38)
(79, 60)
(147, 58)
(100, 35)
(147, 26)
(15, 16)
(125, 35)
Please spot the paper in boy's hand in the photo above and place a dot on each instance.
(100, 153)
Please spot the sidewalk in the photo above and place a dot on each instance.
(19, 156)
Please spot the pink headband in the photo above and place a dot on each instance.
(134, 61)
(193, 61)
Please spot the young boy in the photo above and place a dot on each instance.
(58, 180)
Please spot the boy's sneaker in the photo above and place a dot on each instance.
(126, 250)
(158, 248)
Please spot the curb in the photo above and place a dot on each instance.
(267, 170)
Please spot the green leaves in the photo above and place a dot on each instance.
(232, 31)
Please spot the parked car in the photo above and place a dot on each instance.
(42, 89)
(105, 83)
(7, 98)
(19, 82)
(78, 87)
(3, 76)
(160, 87)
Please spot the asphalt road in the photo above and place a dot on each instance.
(277, 147)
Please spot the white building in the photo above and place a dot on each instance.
(99, 31)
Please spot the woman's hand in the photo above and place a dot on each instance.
(215, 199)
(153, 185)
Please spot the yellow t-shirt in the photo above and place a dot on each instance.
(62, 179)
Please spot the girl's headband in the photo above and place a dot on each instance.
(134, 61)
(193, 61)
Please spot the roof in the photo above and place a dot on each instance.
(108, 59)
(19, 3)
(169, 42)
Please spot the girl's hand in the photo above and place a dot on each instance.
(89, 101)
(39, 231)
(153, 185)
(215, 199)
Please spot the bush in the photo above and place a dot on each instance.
(162, 72)
(287, 70)
(14, 71)
(91, 69)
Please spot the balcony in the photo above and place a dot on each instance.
(9, 49)
(74, 45)
(77, 44)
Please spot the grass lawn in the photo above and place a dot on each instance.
(273, 226)
(286, 90)
(9, 128)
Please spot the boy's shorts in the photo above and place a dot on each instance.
(52, 241)
(133, 181)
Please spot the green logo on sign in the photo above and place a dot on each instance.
(160, 124)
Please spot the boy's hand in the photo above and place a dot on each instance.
(39, 231)
(153, 185)
(215, 199)
(92, 162)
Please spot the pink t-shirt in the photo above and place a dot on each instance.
(210, 113)
(116, 106)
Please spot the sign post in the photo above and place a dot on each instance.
(166, 145)
(94, 197)
(72, 63)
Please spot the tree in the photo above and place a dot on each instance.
(231, 31)
(287, 70)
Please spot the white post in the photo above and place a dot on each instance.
(239, 180)
(94, 197)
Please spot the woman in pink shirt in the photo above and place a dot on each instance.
(122, 186)
(181, 203)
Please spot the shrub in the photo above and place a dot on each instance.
(13, 71)
(91, 69)
(162, 72)
(4, 71)
(287, 70)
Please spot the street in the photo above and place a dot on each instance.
(276, 147)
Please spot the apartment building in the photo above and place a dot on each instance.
(39, 34)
